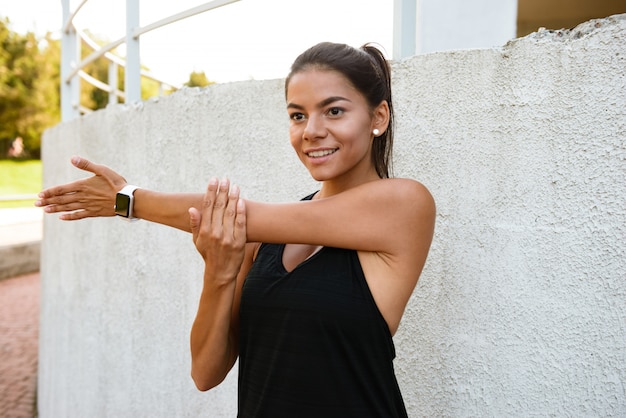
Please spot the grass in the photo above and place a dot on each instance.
(19, 177)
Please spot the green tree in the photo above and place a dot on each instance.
(29, 88)
(198, 79)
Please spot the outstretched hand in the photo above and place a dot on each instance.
(219, 230)
(85, 198)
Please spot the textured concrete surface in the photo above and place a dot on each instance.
(520, 309)
(19, 327)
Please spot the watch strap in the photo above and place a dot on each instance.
(128, 191)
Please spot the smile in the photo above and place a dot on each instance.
(323, 153)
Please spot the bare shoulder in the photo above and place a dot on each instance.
(411, 202)
(407, 188)
(402, 195)
(403, 208)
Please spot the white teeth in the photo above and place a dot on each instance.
(317, 154)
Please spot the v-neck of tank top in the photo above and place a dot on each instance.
(281, 263)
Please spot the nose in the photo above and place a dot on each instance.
(314, 129)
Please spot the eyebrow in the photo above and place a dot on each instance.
(323, 103)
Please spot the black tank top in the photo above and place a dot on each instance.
(313, 342)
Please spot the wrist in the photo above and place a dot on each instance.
(124, 202)
(218, 279)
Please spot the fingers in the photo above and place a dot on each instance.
(89, 197)
(195, 218)
(220, 204)
(230, 213)
(221, 220)
(75, 216)
(80, 195)
(63, 207)
(207, 205)
(59, 196)
(86, 165)
(240, 233)
(48, 195)
(113, 178)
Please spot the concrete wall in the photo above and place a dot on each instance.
(520, 310)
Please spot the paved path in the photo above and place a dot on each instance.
(20, 225)
(19, 329)
(19, 319)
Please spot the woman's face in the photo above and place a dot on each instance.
(330, 127)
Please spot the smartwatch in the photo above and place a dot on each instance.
(124, 202)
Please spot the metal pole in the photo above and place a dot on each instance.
(132, 77)
(184, 15)
(404, 28)
(70, 56)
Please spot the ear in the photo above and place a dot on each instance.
(380, 117)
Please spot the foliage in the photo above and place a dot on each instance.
(29, 88)
(198, 79)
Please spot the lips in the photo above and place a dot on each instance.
(320, 153)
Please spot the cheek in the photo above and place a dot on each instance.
(357, 139)
(295, 137)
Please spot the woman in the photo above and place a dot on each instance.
(311, 312)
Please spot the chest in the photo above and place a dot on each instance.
(308, 282)
(296, 254)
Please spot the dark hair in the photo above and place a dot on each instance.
(368, 71)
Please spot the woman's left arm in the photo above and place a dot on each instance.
(387, 216)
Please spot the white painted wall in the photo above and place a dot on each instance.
(520, 309)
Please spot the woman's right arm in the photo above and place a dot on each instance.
(95, 197)
(219, 234)
(170, 209)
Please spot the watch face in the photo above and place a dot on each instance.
(122, 204)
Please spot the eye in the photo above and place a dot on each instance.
(335, 111)
(296, 116)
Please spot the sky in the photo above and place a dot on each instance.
(249, 39)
